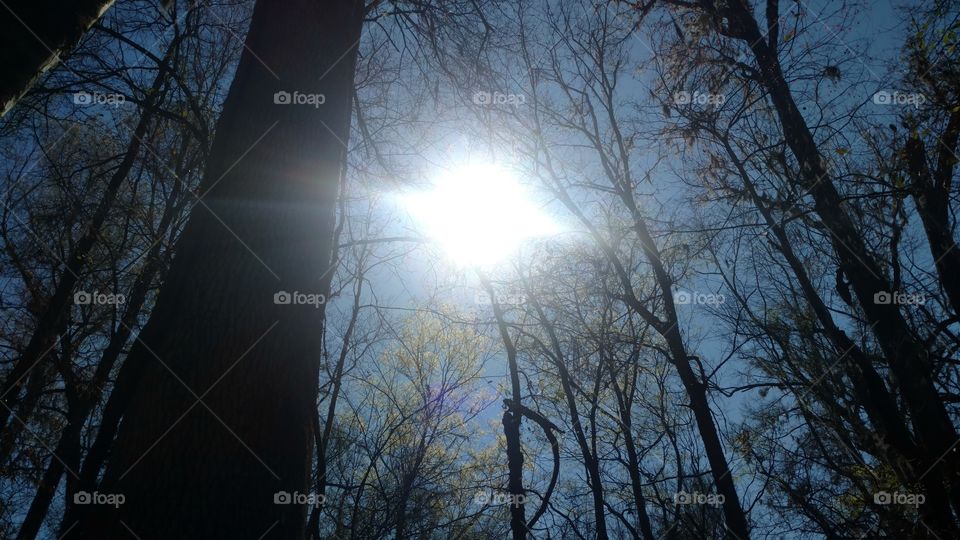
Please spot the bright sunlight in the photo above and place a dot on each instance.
(478, 214)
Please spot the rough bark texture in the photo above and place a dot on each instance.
(221, 417)
(34, 34)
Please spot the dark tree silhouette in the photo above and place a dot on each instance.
(33, 37)
(220, 419)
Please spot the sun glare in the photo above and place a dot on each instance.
(478, 214)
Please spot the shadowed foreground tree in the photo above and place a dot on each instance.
(220, 419)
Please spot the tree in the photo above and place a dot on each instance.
(221, 420)
(34, 37)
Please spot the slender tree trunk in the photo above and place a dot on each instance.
(931, 192)
(406, 488)
(907, 358)
(34, 34)
(633, 458)
(44, 335)
(590, 462)
(896, 441)
(736, 519)
(220, 421)
(80, 408)
(511, 423)
(66, 454)
(323, 439)
(734, 515)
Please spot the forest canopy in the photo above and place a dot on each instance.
(423, 269)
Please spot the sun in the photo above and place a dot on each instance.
(479, 214)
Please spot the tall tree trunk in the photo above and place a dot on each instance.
(45, 332)
(897, 444)
(908, 360)
(220, 420)
(66, 454)
(34, 34)
(735, 517)
(323, 437)
(590, 461)
(669, 330)
(931, 192)
(81, 406)
(633, 458)
(511, 422)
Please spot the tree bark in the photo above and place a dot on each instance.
(220, 420)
